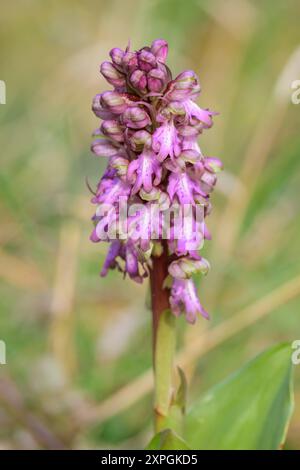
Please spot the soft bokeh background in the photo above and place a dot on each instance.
(79, 347)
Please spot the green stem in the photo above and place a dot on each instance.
(163, 372)
(164, 341)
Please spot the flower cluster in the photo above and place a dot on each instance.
(149, 133)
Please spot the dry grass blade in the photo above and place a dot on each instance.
(19, 273)
(11, 400)
(61, 332)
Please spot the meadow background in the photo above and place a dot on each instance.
(79, 347)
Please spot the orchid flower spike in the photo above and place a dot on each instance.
(149, 135)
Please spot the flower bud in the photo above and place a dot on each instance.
(185, 86)
(136, 117)
(157, 195)
(190, 131)
(139, 139)
(184, 268)
(157, 249)
(159, 48)
(98, 109)
(146, 60)
(120, 164)
(213, 164)
(117, 56)
(112, 75)
(157, 80)
(115, 102)
(113, 129)
(130, 61)
(208, 180)
(189, 156)
(104, 148)
(138, 80)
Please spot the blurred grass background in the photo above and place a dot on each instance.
(79, 348)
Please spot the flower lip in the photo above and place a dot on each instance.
(146, 60)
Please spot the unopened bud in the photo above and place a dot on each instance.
(99, 110)
(184, 268)
(136, 117)
(138, 80)
(104, 148)
(185, 86)
(139, 139)
(115, 102)
(120, 164)
(113, 129)
(208, 180)
(213, 164)
(159, 48)
(157, 80)
(112, 75)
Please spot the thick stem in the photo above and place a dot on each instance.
(164, 338)
(159, 295)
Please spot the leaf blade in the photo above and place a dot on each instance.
(249, 410)
(167, 440)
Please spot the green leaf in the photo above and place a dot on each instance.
(167, 440)
(249, 410)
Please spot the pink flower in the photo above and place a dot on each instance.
(196, 114)
(184, 299)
